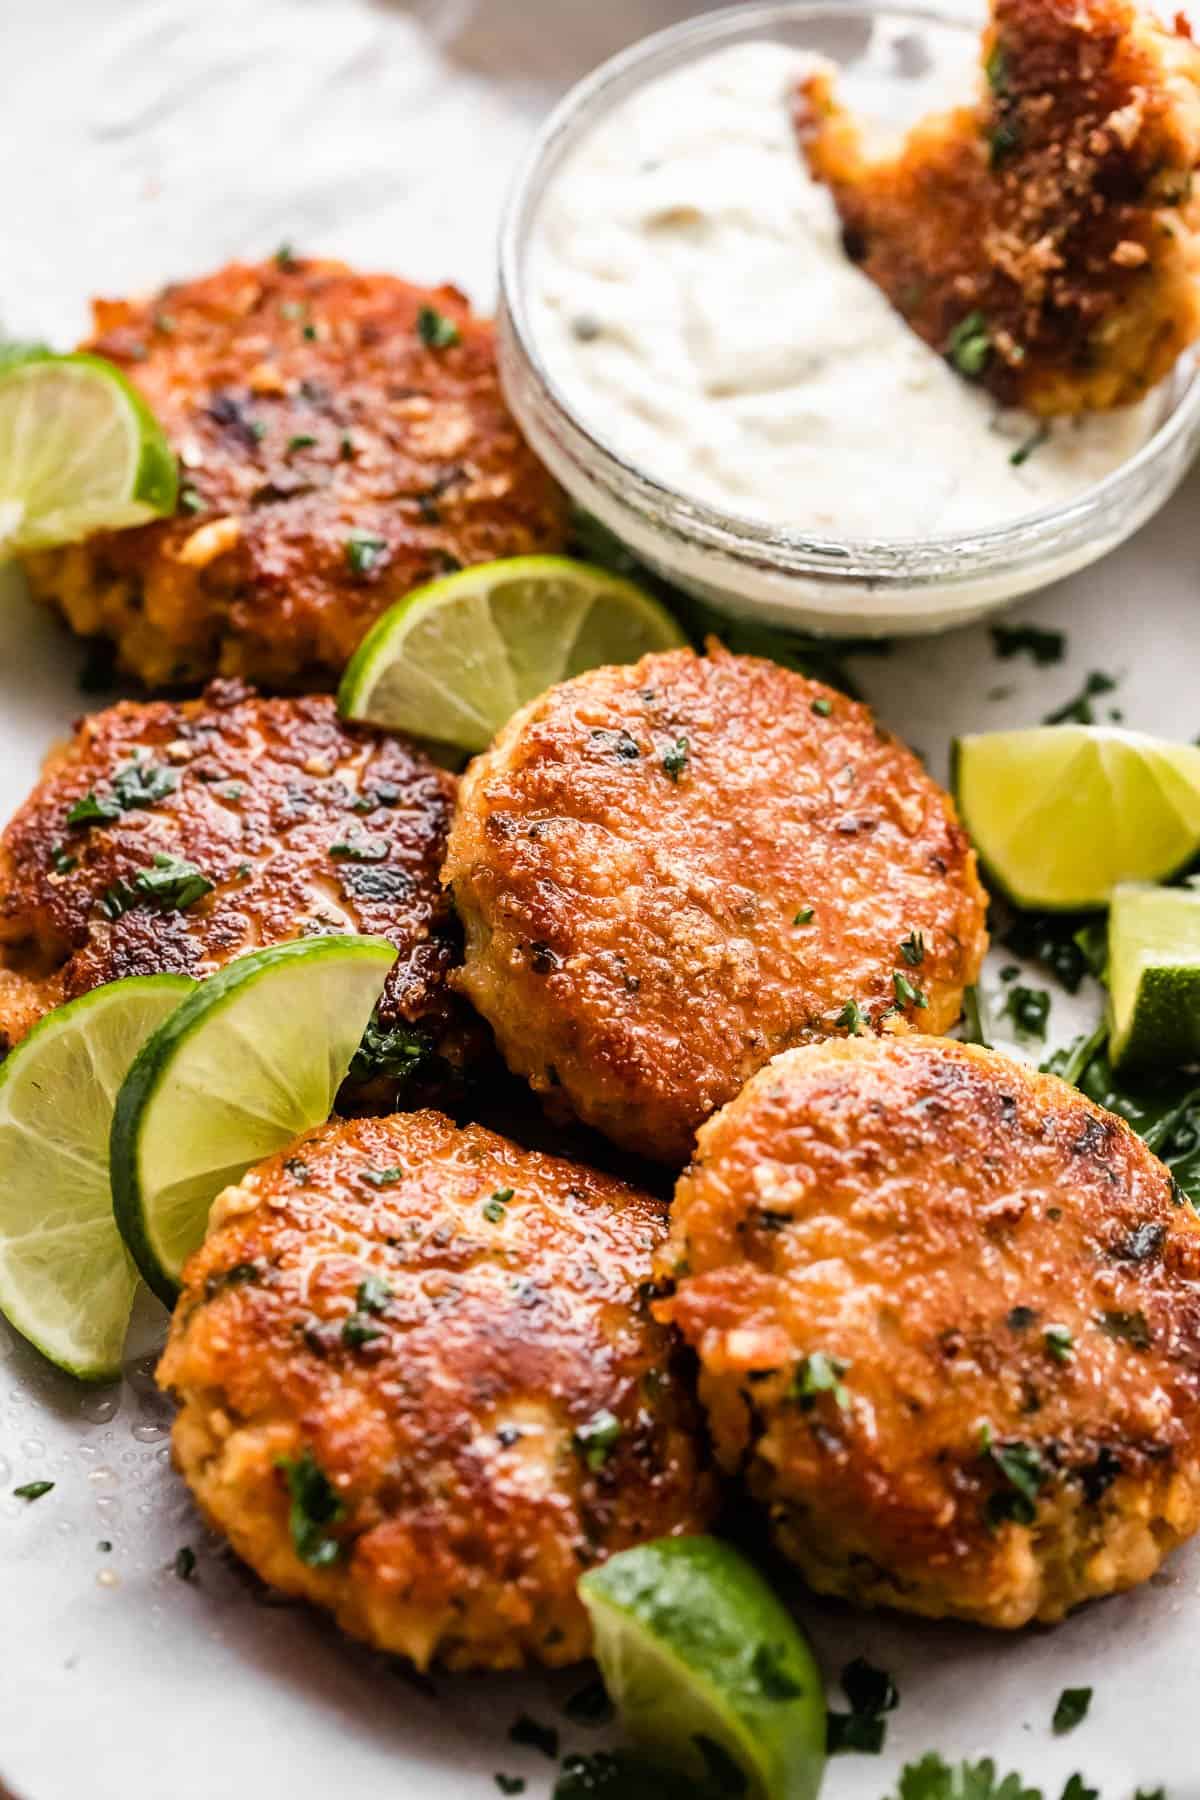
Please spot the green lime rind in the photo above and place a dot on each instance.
(1061, 815)
(80, 452)
(66, 1279)
(1154, 977)
(253, 1058)
(454, 660)
(696, 1651)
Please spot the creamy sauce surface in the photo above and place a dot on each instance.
(692, 303)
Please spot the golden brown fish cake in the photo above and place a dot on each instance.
(450, 1337)
(948, 1319)
(1045, 237)
(335, 452)
(670, 871)
(301, 824)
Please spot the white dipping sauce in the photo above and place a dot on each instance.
(693, 305)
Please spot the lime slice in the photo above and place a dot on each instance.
(709, 1672)
(1154, 976)
(1061, 814)
(255, 1056)
(80, 451)
(66, 1279)
(455, 659)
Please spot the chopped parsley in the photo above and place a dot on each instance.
(389, 1052)
(596, 1439)
(804, 916)
(243, 1274)
(33, 1490)
(868, 1689)
(361, 847)
(189, 499)
(303, 440)
(907, 993)
(373, 1294)
(852, 1017)
(493, 1210)
(92, 811)
(934, 1779)
(819, 1373)
(315, 1506)
(1059, 1342)
(364, 552)
(912, 950)
(171, 884)
(1126, 1327)
(1029, 1009)
(1036, 439)
(510, 1784)
(1079, 710)
(1072, 1709)
(63, 862)
(996, 69)
(589, 1705)
(138, 784)
(860, 1732)
(822, 708)
(674, 760)
(1005, 137)
(285, 257)
(1022, 1469)
(435, 330)
(534, 1735)
(185, 1562)
(969, 346)
(358, 1330)
(379, 1178)
(1042, 644)
(298, 1170)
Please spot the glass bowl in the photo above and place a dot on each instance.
(785, 576)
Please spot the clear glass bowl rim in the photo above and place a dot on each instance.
(1026, 540)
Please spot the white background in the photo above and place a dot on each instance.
(144, 139)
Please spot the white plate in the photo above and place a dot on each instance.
(159, 139)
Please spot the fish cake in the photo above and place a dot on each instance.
(420, 1385)
(670, 871)
(172, 836)
(1046, 238)
(342, 438)
(947, 1312)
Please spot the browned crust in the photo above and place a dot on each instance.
(264, 791)
(925, 1211)
(469, 1509)
(412, 446)
(1054, 216)
(632, 938)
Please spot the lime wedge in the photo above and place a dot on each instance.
(1061, 814)
(255, 1056)
(80, 451)
(66, 1279)
(709, 1672)
(1154, 976)
(455, 659)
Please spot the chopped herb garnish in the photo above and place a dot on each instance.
(804, 916)
(315, 1506)
(309, 333)
(358, 1330)
(934, 1779)
(1028, 1008)
(536, 1736)
(435, 330)
(33, 1490)
(907, 993)
(969, 346)
(820, 1373)
(363, 551)
(63, 862)
(92, 811)
(595, 1439)
(1059, 1342)
(243, 1274)
(285, 256)
(189, 499)
(138, 784)
(976, 1026)
(105, 1545)
(170, 885)
(1023, 1470)
(868, 1689)
(379, 1178)
(1021, 1318)
(303, 440)
(1005, 137)
(863, 1733)
(185, 1562)
(373, 1294)
(510, 1784)
(493, 1210)
(912, 950)
(361, 847)
(822, 708)
(589, 1705)
(852, 1017)
(674, 760)
(1127, 1327)
(389, 1052)
(299, 1171)
(1079, 710)
(1037, 438)
(1071, 1710)
(996, 69)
